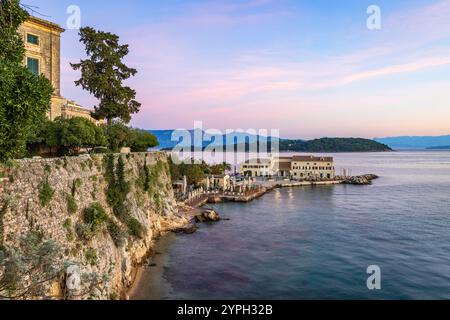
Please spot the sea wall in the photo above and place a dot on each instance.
(51, 196)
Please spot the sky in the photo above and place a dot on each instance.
(308, 68)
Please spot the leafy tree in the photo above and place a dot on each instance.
(142, 140)
(24, 97)
(68, 136)
(103, 73)
(77, 133)
(118, 135)
(219, 169)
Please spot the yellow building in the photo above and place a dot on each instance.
(43, 56)
(307, 167)
(257, 168)
(296, 167)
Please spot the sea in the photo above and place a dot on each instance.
(389, 240)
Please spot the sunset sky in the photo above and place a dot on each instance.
(309, 68)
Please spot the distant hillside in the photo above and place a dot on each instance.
(246, 142)
(165, 139)
(333, 145)
(415, 142)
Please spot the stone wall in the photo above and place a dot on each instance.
(22, 211)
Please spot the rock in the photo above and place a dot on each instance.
(190, 229)
(361, 180)
(208, 216)
(211, 216)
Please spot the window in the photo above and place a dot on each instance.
(33, 65)
(31, 38)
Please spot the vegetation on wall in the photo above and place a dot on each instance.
(117, 192)
(91, 256)
(72, 206)
(95, 217)
(46, 192)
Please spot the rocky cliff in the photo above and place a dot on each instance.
(103, 212)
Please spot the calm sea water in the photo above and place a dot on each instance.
(317, 242)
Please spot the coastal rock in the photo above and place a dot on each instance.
(190, 229)
(208, 216)
(361, 180)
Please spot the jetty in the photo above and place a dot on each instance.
(200, 198)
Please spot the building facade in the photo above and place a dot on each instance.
(43, 56)
(258, 168)
(296, 167)
(307, 167)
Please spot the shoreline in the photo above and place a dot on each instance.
(154, 265)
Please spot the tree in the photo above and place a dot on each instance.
(118, 135)
(28, 270)
(103, 73)
(24, 97)
(68, 136)
(77, 133)
(142, 140)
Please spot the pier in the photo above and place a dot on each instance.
(256, 190)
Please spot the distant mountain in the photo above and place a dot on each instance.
(439, 148)
(243, 141)
(166, 142)
(333, 145)
(415, 142)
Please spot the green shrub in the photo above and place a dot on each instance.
(84, 231)
(68, 226)
(135, 227)
(72, 206)
(46, 193)
(91, 256)
(95, 216)
(47, 169)
(75, 185)
(117, 233)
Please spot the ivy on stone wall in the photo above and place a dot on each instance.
(117, 192)
(46, 192)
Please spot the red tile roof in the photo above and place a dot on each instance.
(312, 159)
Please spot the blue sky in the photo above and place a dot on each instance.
(308, 68)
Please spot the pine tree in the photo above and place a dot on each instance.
(103, 73)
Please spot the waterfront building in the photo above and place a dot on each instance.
(258, 167)
(296, 167)
(307, 167)
(43, 56)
